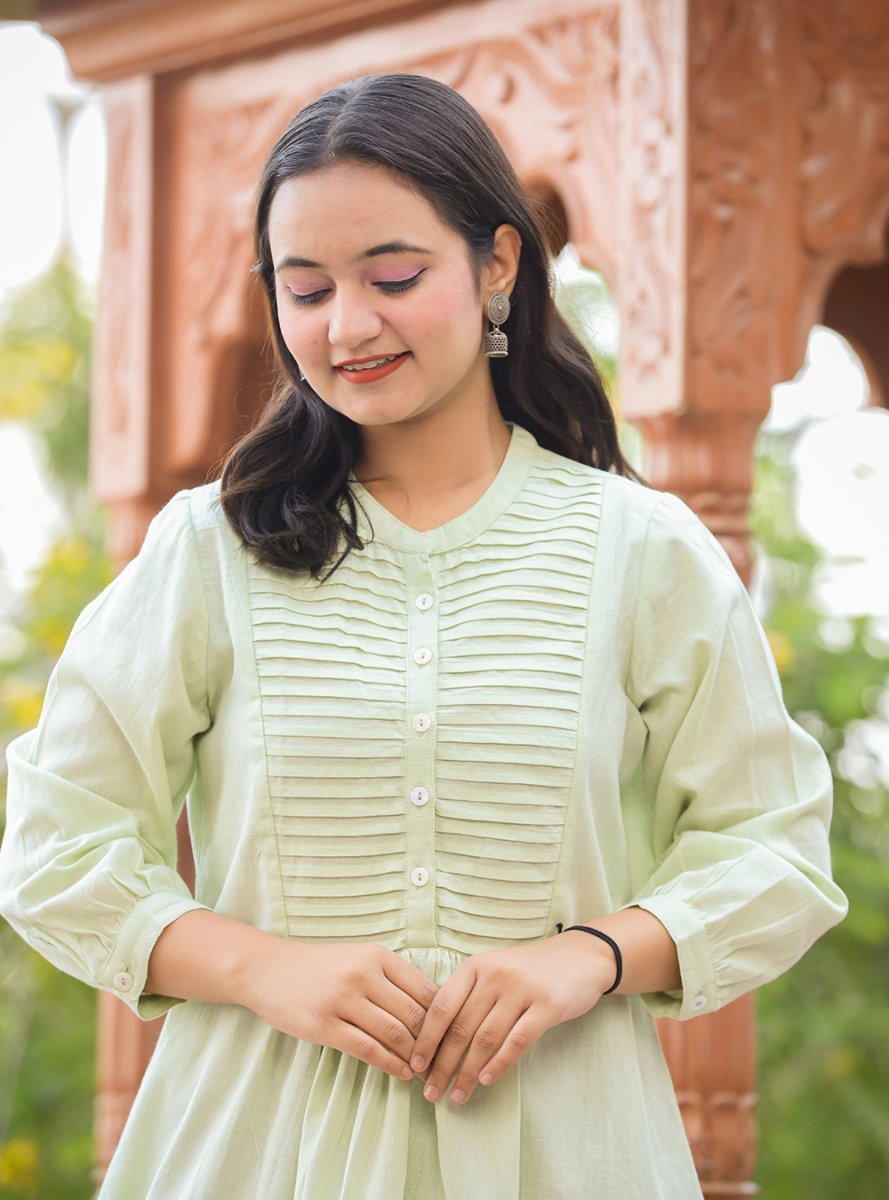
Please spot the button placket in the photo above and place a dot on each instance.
(420, 665)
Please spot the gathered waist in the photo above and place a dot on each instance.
(436, 962)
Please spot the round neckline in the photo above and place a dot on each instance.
(377, 523)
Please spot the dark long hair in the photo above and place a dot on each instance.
(284, 485)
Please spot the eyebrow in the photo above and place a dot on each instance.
(396, 247)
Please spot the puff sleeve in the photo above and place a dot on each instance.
(88, 860)
(739, 796)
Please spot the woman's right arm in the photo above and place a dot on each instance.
(88, 859)
(356, 997)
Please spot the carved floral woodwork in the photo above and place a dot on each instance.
(732, 192)
(532, 88)
(649, 280)
(123, 341)
(159, 36)
(841, 168)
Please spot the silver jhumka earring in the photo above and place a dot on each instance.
(496, 341)
(301, 375)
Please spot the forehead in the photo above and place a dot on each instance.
(338, 211)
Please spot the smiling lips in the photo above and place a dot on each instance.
(370, 369)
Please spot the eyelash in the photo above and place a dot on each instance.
(390, 287)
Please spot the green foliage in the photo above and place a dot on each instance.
(44, 370)
(824, 1026)
(47, 1019)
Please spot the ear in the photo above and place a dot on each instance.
(499, 273)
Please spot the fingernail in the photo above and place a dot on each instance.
(486, 1078)
(458, 1096)
(418, 1062)
(406, 1073)
(432, 1093)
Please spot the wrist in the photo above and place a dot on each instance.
(603, 950)
(250, 959)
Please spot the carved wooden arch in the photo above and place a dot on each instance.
(855, 306)
(219, 141)
(842, 171)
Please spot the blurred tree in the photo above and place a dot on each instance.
(824, 1026)
(47, 1020)
(44, 372)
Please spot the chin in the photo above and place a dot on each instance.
(381, 412)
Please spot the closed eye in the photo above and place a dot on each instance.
(308, 297)
(398, 285)
(389, 286)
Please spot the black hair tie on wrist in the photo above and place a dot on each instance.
(618, 958)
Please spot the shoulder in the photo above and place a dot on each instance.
(200, 510)
(649, 537)
(202, 506)
(626, 507)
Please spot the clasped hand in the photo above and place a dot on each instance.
(369, 1002)
(497, 1004)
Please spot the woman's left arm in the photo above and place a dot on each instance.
(738, 802)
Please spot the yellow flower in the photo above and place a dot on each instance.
(18, 1166)
(21, 702)
(782, 650)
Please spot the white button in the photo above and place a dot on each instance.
(424, 601)
(419, 876)
(123, 981)
(699, 1002)
(423, 656)
(419, 796)
(421, 722)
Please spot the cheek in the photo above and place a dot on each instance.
(449, 315)
(298, 330)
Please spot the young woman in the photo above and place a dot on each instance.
(485, 758)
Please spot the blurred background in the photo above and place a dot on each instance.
(820, 516)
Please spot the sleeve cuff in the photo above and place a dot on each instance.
(699, 992)
(126, 970)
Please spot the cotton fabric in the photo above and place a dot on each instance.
(605, 729)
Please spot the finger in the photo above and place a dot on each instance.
(456, 1044)
(405, 1008)
(527, 1029)
(411, 981)
(382, 1026)
(489, 1038)
(441, 1012)
(362, 1045)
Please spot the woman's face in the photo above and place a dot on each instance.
(365, 270)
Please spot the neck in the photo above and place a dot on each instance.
(432, 470)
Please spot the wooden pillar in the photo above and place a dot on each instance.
(700, 94)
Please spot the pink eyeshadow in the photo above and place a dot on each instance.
(305, 289)
(396, 275)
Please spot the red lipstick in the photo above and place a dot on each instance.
(369, 374)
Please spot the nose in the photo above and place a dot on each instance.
(353, 320)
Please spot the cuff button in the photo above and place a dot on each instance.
(699, 1002)
(123, 981)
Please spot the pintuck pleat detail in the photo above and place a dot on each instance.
(513, 635)
(331, 664)
(334, 662)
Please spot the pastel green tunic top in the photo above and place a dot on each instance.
(554, 706)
